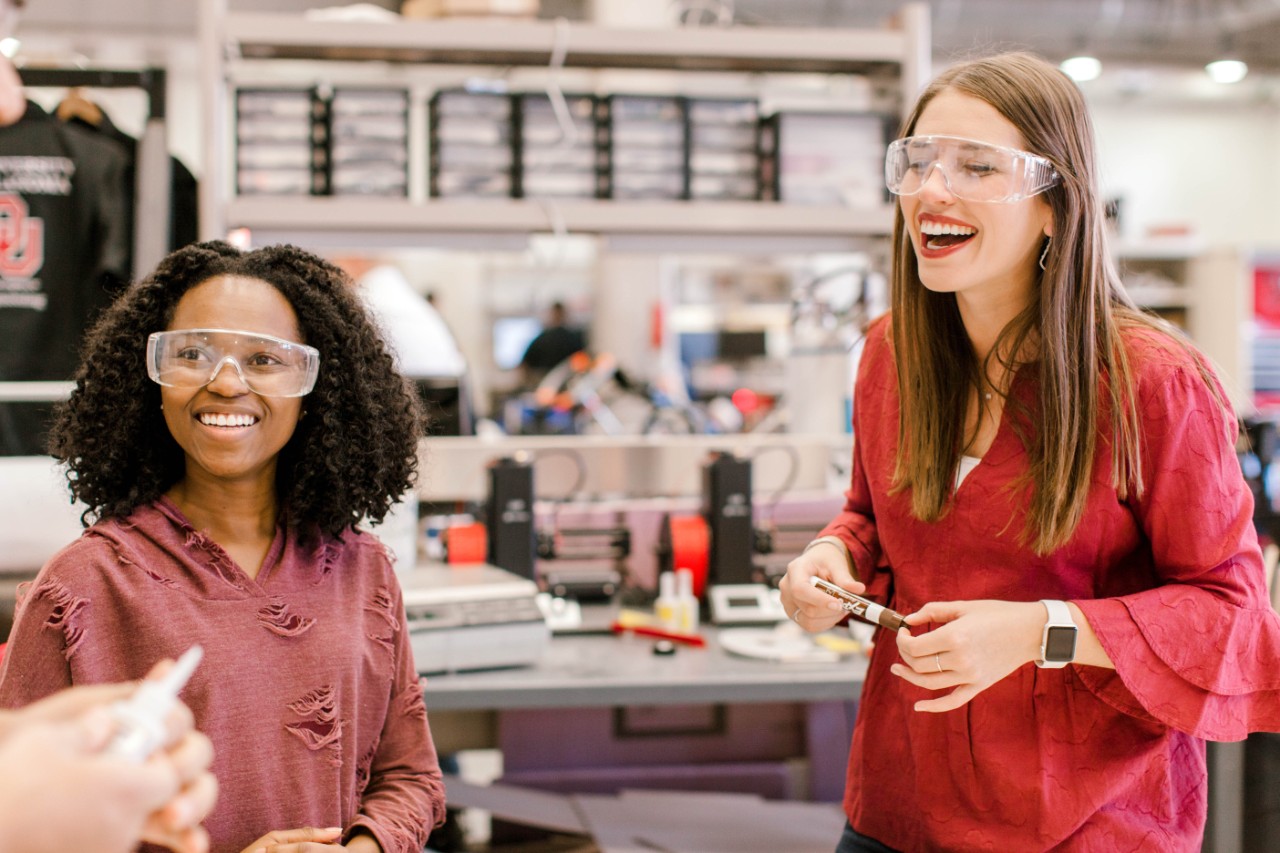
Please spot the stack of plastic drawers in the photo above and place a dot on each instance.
(369, 142)
(556, 162)
(471, 151)
(280, 143)
(724, 162)
(646, 146)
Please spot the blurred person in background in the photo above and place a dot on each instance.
(555, 343)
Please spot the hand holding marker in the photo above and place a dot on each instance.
(141, 717)
(867, 611)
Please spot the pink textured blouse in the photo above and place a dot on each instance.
(1079, 758)
(307, 687)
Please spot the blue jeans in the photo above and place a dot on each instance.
(852, 841)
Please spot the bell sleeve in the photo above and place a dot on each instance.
(1200, 652)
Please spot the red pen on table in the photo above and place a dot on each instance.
(661, 634)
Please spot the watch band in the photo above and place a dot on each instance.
(1058, 639)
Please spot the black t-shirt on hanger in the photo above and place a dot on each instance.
(64, 254)
(183, 188)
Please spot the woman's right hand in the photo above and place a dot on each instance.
(808, 607)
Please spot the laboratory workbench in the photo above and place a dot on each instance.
(600, 670)
(604, 670)
(581, 677)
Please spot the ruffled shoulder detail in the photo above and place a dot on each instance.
(1200, 649)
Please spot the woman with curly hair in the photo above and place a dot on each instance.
(235, 415)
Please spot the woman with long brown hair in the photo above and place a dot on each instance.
(1045, 481)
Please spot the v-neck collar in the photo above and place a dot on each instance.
(1020, 388)
(221, 562)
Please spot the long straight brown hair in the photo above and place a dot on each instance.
(1070, 332)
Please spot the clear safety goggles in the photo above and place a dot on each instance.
(972, 170)
(272, 367)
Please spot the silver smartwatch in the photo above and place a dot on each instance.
(1058, 642)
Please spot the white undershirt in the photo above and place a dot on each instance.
(967, 464)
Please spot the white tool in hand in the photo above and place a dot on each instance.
(141, 717)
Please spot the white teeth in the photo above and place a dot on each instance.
(225, 420)
(935, 229)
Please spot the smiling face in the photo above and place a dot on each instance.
(980, 251)
(228, 432)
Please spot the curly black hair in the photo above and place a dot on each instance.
(350, 458)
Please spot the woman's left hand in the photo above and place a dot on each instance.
(977, 644)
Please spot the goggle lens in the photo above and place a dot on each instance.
(270, 366)
(972, 170)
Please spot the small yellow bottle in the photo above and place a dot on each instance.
(666, 607)
(687, 615)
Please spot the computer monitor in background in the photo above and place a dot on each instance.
(511, 337)
(740, 346)
(724, 345)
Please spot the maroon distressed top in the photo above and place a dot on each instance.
(1171, 583)
(307, 687)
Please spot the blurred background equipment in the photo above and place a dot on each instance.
(472, 616)
(422, 344)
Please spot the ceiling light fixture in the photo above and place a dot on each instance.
(1081, 68)
(9, 46)
(1226, 70)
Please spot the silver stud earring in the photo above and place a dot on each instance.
(1045, 253)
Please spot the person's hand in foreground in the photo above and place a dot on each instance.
(60, 792)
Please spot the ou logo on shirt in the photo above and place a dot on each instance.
(21, 238)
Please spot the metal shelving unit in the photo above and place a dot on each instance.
(398, 220)
(896, 56)
(463, 41)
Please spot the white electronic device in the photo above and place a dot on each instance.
(562, 614)
(474, 616)
(745, 604)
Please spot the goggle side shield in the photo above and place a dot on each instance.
(972, 170)
(270, 366)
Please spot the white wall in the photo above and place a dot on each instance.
(1211, 166)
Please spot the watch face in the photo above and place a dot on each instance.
(1060, 645)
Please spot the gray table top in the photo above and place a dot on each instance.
(605, 670)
